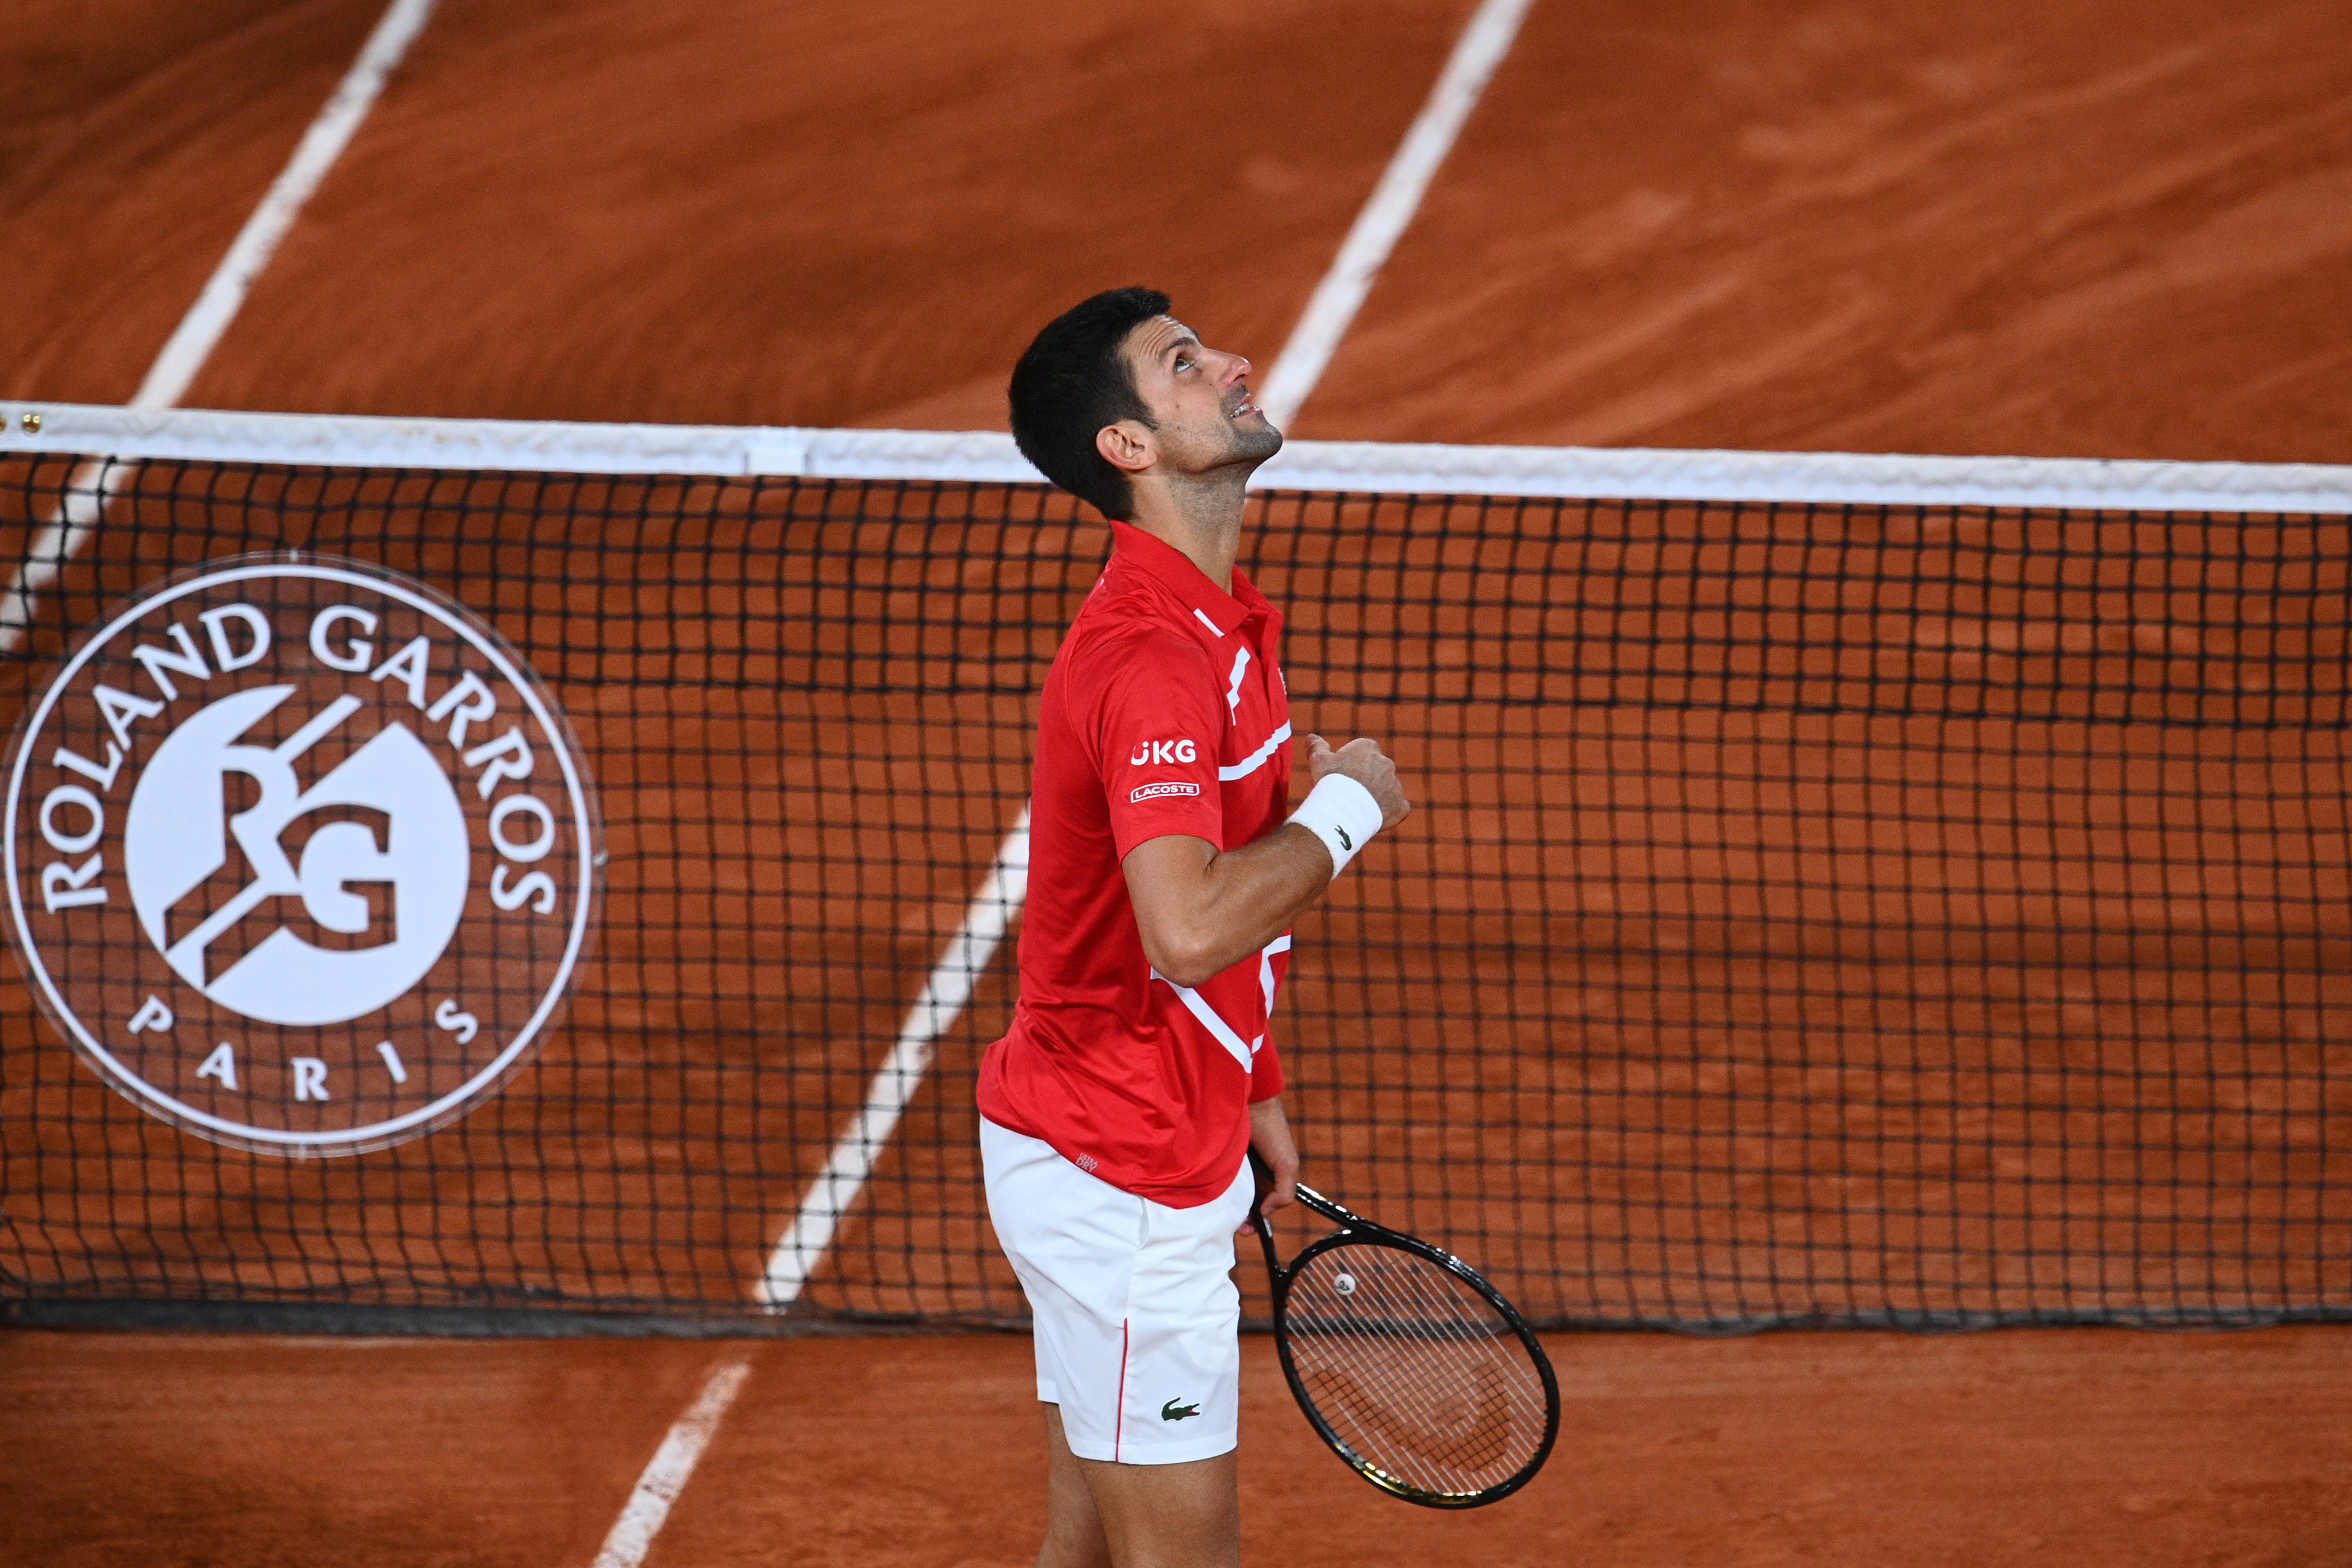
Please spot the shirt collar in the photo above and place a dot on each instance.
(1213, 608)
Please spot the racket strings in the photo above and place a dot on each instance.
(1414, 1370)
(1417, 1406)
(1508, 1391)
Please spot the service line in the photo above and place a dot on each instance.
(1332, 310)
(83, 506)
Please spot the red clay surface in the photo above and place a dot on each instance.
(2093, 1448)
(2073, 229)
(2059, 229)
(715, 210)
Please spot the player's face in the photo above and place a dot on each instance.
(1199, 398)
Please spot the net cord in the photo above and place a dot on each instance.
(1362, 466)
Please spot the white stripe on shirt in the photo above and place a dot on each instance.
(1198, 1005)
(1265, 971)
(1256, 759)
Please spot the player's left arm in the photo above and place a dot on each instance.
(1200, 910)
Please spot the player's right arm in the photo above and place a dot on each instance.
(1200, 910)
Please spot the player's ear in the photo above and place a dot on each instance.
(1129, 446)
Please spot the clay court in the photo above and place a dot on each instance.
(1827, 974)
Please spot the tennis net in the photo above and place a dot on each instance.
(1842, 891)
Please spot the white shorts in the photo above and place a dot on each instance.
(1138, 1319)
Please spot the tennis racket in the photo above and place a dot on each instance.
(1410, 1366)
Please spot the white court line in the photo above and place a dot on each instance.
(94, 483)
(665, 1474)
(985, 920)
(88, 490)
(1394, 200)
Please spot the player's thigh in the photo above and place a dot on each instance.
(1074, 1527)
(1185, 1515)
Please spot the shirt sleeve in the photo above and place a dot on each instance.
(1265, 1070)
(1159, 724)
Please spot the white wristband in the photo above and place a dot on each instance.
(1343, 814)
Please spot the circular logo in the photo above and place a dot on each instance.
(300, 855)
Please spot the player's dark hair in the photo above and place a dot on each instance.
(1071, 382)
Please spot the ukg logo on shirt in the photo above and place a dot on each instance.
(300, 856)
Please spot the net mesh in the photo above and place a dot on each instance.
(1811, 914)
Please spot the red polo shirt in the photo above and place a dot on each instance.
(1165, 712)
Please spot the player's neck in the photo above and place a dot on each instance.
(1200, 514)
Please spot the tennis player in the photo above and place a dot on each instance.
(1165, 868)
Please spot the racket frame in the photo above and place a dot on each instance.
(1355, 1230)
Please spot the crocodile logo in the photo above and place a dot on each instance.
(1345, 842)
(1171, 1411)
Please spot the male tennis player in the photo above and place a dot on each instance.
(1165, 867)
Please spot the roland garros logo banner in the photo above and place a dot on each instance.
(300, 856)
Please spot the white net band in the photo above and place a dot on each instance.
(1360, 467)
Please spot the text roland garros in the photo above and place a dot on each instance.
(300, 855)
